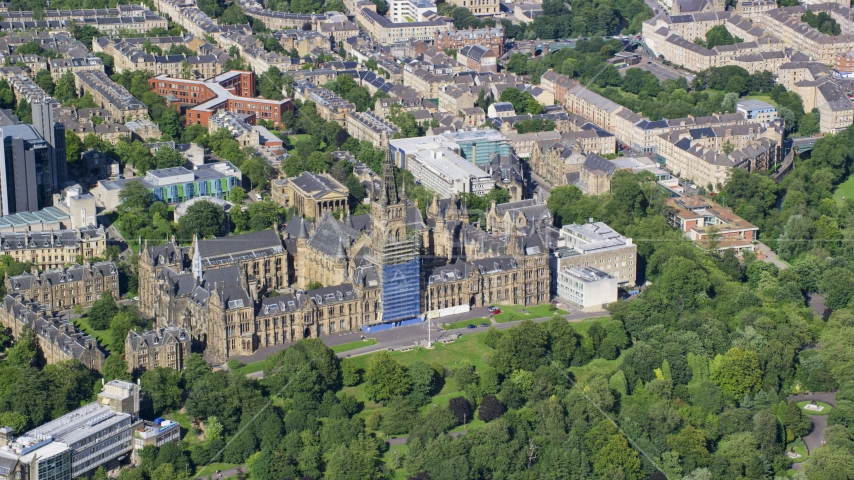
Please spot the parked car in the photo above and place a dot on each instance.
(471, 326)
(492, 308)
(484, 325)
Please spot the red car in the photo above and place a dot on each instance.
(494, 310)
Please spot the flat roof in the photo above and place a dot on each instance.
(448, 164)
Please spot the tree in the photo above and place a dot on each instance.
(115, 367)
(163, 385)
(737, 372)
(203, 219)
(617, 460)
(490, 408)
(237, 195)
(461, 408)
(213, 429)
(102, 312)
(167, 158)
(24, 111)
(386, 378)
(195, 368)
(837, 351)
(830, 463)
(351, 375)
(121, 324)
(262, 215)
(70, 384)
(270, 84)
(44, 80)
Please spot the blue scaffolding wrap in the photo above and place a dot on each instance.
(401, 293)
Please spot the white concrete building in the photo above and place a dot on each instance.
(447, 173)
(586, 288)
(403, 11)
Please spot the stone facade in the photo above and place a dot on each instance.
(58, 339)
(312, 194)
(166, 347)
(54, 249)
(67, 287)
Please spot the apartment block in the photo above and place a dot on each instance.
(592, 106)
(330, 106)
(387, 32)
(58, 339)
(492, 37)
(369, 126)
(58, 66)
(110, 95)
(711, 226)
(233, 91)
(478, 7)
(478, 58)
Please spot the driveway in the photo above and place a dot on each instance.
(819, 422)
(770, 256)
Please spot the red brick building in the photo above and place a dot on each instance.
(844, 62)
(233, 91)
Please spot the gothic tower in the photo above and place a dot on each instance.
(395, 251)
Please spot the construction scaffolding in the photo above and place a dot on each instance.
(399, 266)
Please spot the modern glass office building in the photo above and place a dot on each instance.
(478, 146)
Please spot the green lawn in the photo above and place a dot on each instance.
(394, 457)
(299, 136)
(827, 408)
(253, 367)
(761, 98)
(799, 447)
(465, 323)
(468, 347)
(510, 313)
(584, 326)
(187, 428)
(104, 337)
(346, 347)
(844, 189)
(212, 469)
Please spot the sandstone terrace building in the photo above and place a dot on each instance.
(186, 14)
(330, 106)
(54, 249)
(233, 91)
(386, 32)
(818, 89)
(58, 339)
(107, 20)
(66, 287)
(58, 66)
(128, 55)
(785, 24)
(371, 127)
(285, 20)
(110, 95)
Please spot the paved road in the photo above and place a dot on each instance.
(230, 473)
(411, 335)
(770, 256)
(819, 422)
